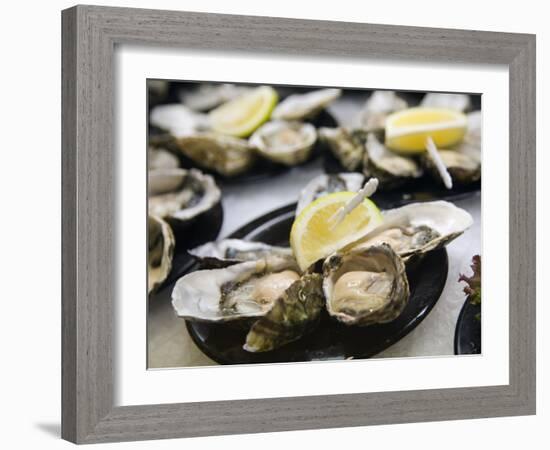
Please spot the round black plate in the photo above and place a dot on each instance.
(331, 340)
(468, 330)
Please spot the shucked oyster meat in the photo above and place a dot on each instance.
(366, 285)
(181, 194)
(231, 251)
(226, 155)
(240, 291)
(288, 143)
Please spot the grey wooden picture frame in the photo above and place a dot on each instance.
(90, 34)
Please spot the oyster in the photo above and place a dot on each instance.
(231, 251)
(390, 168)
(284, 142)
(378, 106)
(346, 145)
(463, 161)
(418, 228)
(244, 290)
(160, 244)
(207, 96)
(365, 286)
(458, 102)
(177, 119)
(295, 313)
(158, 158)
(226, 155)
(327, 184)
(180, 194)
(305, 106)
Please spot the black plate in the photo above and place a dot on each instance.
(331, 340)
(468, 330)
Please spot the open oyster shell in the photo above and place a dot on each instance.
(346, 145)
(208, 95)
(295, 313)
(245, 290)
(160, 244)
(305, 106)
(177, 119)
(327, 184)
(390, 168)
(226, 155)
(378, 106)
(288, 143)
(231, 251)
(365, 286)
(158, 158)
(181, 194)
(417, 228)
(458, 102)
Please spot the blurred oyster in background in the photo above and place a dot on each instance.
(458, 102)
(177, 119)
(209, 95)
(180, 194)
(326, 184)
(159, 158)
(288, 143)
(305, 106)
(226, 155)
(346, 145)
(378, 106)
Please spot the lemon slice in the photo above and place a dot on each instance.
(241, 116)
(407, 130)
(314, 236)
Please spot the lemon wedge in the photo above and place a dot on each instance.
(314, 235)
(407, 130)
(243, 115)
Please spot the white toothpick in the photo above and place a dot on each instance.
(439, 164)
(367, 190)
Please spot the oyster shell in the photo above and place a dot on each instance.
(245, 290)
(231, 251)
(295, 313)
(418, 228)
(327, 184)
(207, 96)
(284, 142)
(463, 161)
(458, 102)
(180, 194)
(177, 119)
(346, 145)
(226, 155)
(305, 106)
(378, 106)
(160, 245)
(365, 286)
(390, 168)
(158, 158)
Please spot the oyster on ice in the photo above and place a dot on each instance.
(231, 251)
(288, 143)
(377, 107)
(326, 184)
(390, 168)
(305, 106)
(181, 194)
(226, 155)
(347, 145)
(295, 313)
(365, 286)
(245, 290)
(417, 228)
(160, 245)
